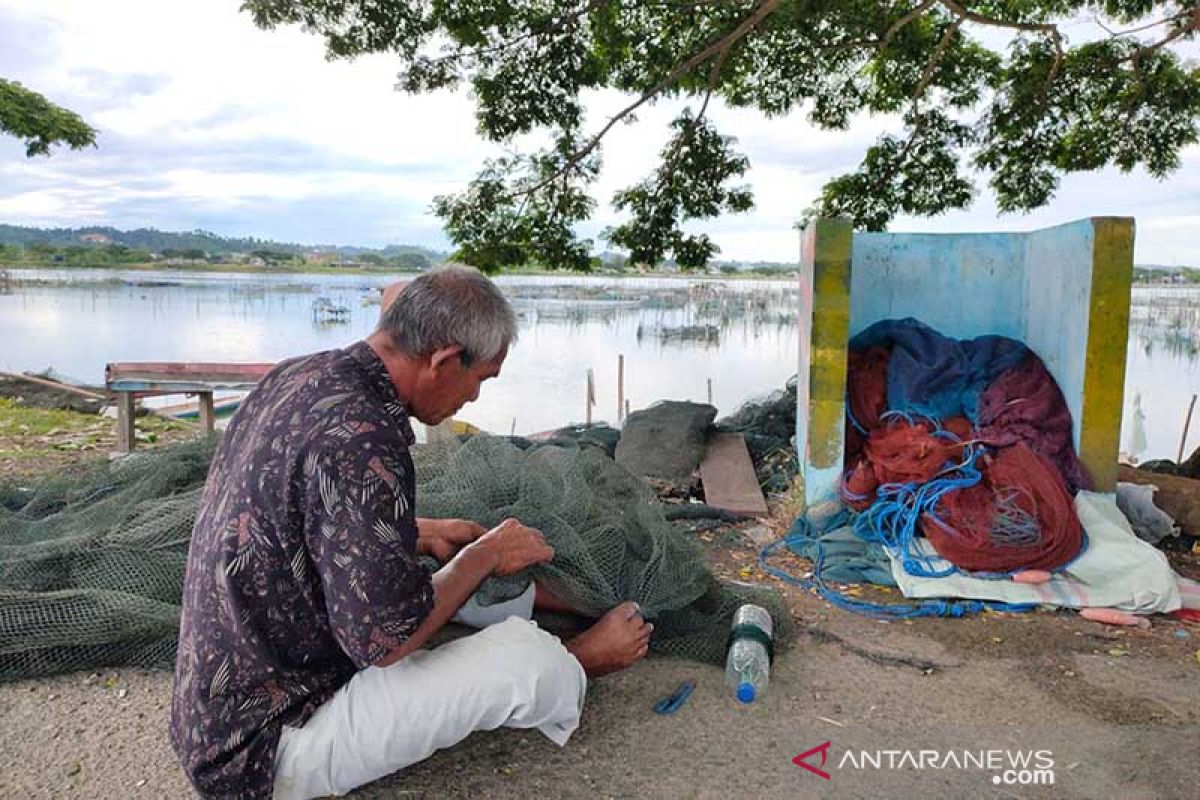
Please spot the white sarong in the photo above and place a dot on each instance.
(511, 674)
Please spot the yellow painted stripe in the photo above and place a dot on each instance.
(1107, 339)
(830, 342)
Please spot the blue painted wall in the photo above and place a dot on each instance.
(1058, 294)
(963, 285)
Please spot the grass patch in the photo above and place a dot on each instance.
(21, 420)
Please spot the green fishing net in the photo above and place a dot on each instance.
(611, 541)
(92, 563)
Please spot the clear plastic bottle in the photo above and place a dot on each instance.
(748, 663)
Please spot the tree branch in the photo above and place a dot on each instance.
(1048, 28)
(1119, 34)
(938, 55)
(1135, 58)
(891, 32)
(722, 44)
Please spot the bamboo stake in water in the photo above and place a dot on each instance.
(620, 386)
(1187, 423)
(591, 395)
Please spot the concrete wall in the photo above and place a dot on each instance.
(963, 285)
(1058, 290)
(1064, 291)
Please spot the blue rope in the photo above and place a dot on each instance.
(854, 422)
(905, 610)
(893, 518)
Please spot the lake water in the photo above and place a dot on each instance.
(676, 336)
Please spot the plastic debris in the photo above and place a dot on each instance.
(1111, 616)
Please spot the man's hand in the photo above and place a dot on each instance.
(514, 546)
(443, 538)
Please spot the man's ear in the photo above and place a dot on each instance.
(445, 357)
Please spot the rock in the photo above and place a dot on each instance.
(761, 535)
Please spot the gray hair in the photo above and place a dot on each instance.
(450, 306)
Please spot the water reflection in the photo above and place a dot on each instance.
(1167, 319)
(1162, 372)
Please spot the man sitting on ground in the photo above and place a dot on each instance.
(300, 670)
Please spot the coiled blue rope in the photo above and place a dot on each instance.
(893, 518)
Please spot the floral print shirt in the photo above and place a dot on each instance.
(303, 565)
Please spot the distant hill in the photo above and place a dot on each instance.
(157, 241)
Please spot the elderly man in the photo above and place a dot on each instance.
(300, 670)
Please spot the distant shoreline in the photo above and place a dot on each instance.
(321, 269)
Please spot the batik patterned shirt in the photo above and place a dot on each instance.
(302, 568)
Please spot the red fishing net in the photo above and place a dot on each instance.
(1020, 516)
(867, 400)
(1025, 405)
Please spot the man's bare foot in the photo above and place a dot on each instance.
(615, 641)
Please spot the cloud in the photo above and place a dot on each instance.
(206, 121)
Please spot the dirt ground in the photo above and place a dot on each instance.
(1118, 711)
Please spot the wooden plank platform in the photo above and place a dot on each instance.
(180, 377)
(728, 476)
(146, 378)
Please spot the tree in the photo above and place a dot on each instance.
(996, 87)
(27, 115)
(411, 261)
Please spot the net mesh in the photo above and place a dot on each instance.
(92, 564)
(611, 541)
(665, 441)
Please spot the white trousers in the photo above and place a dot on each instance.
(511, 674)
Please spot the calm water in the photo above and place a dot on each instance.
(568, 325)
(676, 335)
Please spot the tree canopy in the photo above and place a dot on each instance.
(27, 115)
(1018, 92)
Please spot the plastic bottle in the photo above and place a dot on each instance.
(748, 664)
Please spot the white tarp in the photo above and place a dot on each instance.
(1118, 570)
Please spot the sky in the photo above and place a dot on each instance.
(205, 121)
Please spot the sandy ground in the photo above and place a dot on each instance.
(1117, 709)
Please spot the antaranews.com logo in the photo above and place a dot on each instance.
(1008, 767)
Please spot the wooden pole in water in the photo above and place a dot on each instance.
(710, 391)
(620, 387)
(1187, 423)
(591, 396)
(627, 408)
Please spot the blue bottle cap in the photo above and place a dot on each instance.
(745, 692)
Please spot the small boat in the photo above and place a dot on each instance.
(222, 407)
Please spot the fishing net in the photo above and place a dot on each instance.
(91, 565)
(611, 541)
(665, 441)
(1019, 516)
(968, 443)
